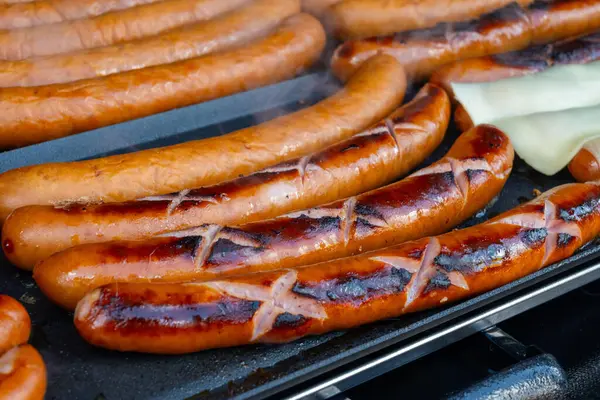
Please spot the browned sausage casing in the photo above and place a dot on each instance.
(364, 18)
(15, 324)
(317, 7)
(363, 162)
(37, 114)
(508, 29)
(219, 34)
(585, 166)
(109, 29)
(27, 14)
(22, 374)
(372, 94)
(287, 304)
(430, 201)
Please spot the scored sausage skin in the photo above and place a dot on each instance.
(508, 29)
(364, 18)
(374, 92)
(430, 201)
(222, 33)
(109, 29)
(284, 305)
(15, 324)
(366, 161)
(22, 374)
(585, 166)
(28, 14)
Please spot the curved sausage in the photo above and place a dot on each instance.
(363, 162)
(508, 29)
(585, 165)
(15, 324)
(43, 113)
(371, 95)
(288, 304)
(364, 18)
(219, 34)
(27, 14)
(109, 29)
(430, 201)
(22, 374)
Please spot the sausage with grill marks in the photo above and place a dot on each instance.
(22, 374)
(364, 18)
(430, 201)
(109, 29)
(43, 113)
(508, 29)
(27, 14)
(374, 92)
(284, 305)
(585, 166)
(221, 33)
(15, 324)
(364, 162)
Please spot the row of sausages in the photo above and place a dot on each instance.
(117, 66)
(22, 369)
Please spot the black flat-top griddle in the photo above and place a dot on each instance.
(77, 370)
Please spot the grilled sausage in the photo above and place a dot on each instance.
(22, 374)
(109, 29)
(219, 34)
(508, 29)
(364, 18)
(15, 324)
(372, 94)
(585, 165)
(364, 162)
(430, 201)
(27, 14)
(287, 304)
(43, 113)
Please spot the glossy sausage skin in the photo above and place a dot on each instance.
(222, 33)
(364, 18)
(43, 113)
(22, 374)
(374, 92)
(364, 162)
(508, 29)
(532, 60)
(430, 201)
(15, 324)
(288, 304)
(25, 15)
(109, 29)
(585, 166)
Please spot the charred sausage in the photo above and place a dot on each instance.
(364, 18)
(430, 201)
(27, 14)
(508, 29)
(585, 165)
(43, 113)
(109, 29)
(287, 304)
(219, 34)
(22, 374)
(15, 324)
(366, 161)
(372, 94)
